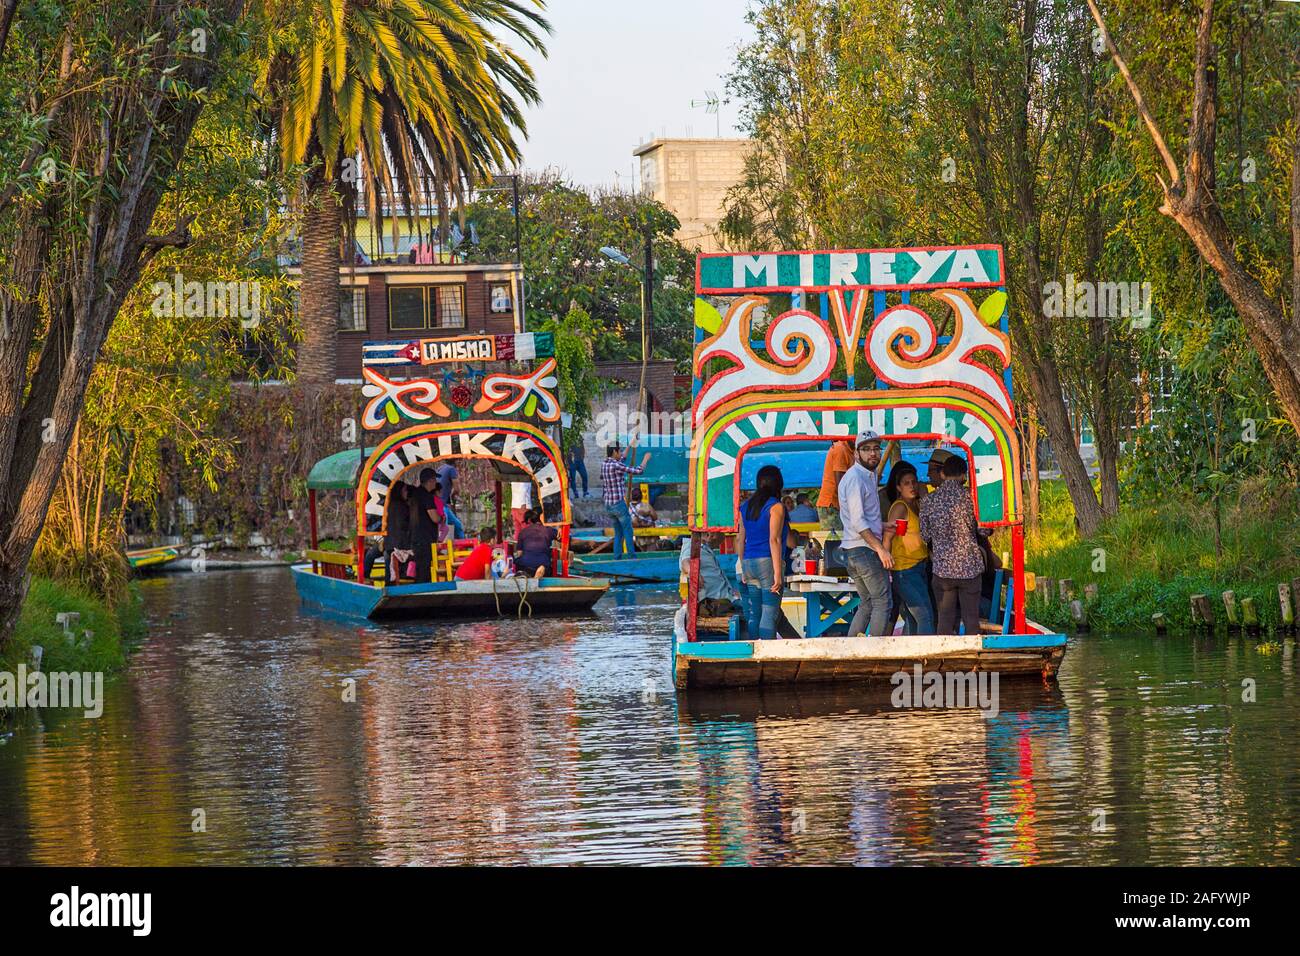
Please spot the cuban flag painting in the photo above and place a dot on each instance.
(390, 353)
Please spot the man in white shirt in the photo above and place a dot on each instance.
(865, 556)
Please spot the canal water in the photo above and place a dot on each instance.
(233, 738)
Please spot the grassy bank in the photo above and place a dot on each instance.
(1157, 553)
(113, 630)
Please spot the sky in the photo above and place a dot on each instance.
(620, 70)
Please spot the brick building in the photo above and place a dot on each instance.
(410, 301)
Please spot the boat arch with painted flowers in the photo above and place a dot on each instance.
(800, 348)
(450, 399)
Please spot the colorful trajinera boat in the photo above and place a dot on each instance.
(756, 392)
(461, 410)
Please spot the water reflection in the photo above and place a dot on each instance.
(560, 741)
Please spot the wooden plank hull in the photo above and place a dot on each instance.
(869, 659)
(466, 599)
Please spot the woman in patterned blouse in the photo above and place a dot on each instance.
(948, 527)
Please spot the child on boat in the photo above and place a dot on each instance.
(643, 515)
(478, 565)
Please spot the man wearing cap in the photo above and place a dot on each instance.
(865, 556)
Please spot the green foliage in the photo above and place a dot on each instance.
(113, 630)
(1159, 551)
(562, 228)
(579, 384)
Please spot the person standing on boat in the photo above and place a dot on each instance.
(865, 556)
(430, 519)
(839, 459)
(613, 481)
(760, 542)
(398, 550)
(521, 499)
(934, 472)
(447, 475)
(948, 526)
(904, 541)
(578, 466)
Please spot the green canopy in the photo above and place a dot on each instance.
(338, 472)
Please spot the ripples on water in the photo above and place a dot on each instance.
(561, 741)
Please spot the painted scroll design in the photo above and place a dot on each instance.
(418, 399)
(507, 394)
(848, 322)
(902, 350)
(802, 345)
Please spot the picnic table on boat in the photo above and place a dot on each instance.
(831, 601)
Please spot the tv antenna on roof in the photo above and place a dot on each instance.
(710, 104)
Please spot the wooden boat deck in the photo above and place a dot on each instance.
(749, 663)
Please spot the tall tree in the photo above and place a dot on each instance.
(104, 97)
(1191, 199)
(412, 101)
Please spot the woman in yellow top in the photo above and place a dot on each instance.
(903, 539)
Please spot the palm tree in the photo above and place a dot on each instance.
(399, 98)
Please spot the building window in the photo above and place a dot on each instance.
(412, 308)
(451, 307)
(352, 309)
(406, 308)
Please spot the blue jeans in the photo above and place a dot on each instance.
(757, 602)
(914, 600)
(578, 467)
(457, 529)
(622, 518)
(872, 582)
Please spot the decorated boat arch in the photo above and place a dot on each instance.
(458, 398)
(800, 347)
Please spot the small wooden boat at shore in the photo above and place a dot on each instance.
(774, 395)
(150, 559)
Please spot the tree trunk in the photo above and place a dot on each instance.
(1034, 504)
(319, 298)
(143, 131)
(1189, 200)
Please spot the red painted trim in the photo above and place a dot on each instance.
(311, 512)
(1018, 575)
(693, 591)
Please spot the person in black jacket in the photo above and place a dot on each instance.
(401, 525)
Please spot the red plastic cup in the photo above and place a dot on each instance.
(810, 567)
(900, 527)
